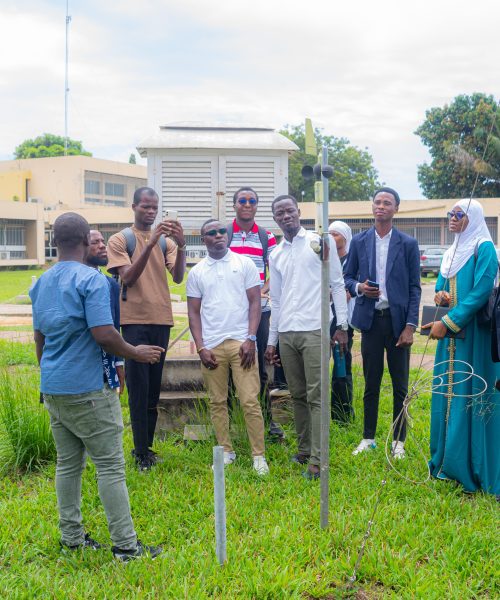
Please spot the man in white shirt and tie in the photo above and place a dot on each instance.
(383, 273)
(295, 275)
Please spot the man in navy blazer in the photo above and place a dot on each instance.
(382, 273)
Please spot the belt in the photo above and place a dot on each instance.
(383, 312)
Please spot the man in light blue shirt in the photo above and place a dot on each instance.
(72, 322)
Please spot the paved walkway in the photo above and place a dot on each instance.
(13, 315)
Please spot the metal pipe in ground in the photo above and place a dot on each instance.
(325, 352)
(219, 504)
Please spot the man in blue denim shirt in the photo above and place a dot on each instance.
(72, 322)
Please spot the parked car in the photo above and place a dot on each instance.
(430, 259)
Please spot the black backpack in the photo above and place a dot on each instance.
(264, 242)
(131, 242)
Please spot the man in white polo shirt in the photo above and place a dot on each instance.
(223, 296)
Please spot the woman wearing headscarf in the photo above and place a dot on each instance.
(465, 413)
(341, 395)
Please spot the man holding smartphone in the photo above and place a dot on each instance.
(139, 255)
(383, 274)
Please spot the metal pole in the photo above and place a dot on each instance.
(219, 504)
(325, 349)
(66, 82)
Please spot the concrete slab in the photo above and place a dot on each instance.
(15, 309)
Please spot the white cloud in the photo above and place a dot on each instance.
(366, 71)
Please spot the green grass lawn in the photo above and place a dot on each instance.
(428, 540)
(14, 283)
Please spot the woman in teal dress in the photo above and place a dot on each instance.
(465, 413)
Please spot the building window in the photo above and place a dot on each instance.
(92, 187)
(109, 202)
(12, 232)
(114, 189)
(93, 201)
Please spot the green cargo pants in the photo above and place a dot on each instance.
(300, 353)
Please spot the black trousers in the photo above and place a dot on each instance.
(262, 337)
(144, 383)
(341, 394)
(373, 343)
(279, 379)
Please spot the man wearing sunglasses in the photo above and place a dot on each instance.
(249, 239)
(223, 297)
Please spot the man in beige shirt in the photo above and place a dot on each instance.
(146, 308)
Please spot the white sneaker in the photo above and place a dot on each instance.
(260, 465)
(364, 445)
(398, 449)
(229, 458)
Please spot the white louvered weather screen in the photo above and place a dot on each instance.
(188, 187)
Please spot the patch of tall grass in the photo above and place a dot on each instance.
(16, 353)
(26, 441)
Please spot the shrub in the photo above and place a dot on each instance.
(26, 441)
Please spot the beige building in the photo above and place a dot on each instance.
(70, 181)
(21, 234)
(26, 227)
(33, 192)
(425, 220)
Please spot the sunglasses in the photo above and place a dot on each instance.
(212, 232)
(250, 201)
(459, 215)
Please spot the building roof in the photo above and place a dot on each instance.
(76, 162)
(408, 209)
(99, 215)
(222, 136)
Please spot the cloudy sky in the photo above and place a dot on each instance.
(364, 70)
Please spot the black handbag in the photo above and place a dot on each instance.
(484, 315)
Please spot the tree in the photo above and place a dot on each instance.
(48, 144)
(131, 159)
(457, 136)
(354, 176)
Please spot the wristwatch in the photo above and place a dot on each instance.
(252, 338)
(342, 327)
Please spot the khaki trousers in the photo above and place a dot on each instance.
(247, 384)
(300, 353)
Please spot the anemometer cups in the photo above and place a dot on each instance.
(309, 172)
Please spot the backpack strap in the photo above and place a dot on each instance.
(229, 233)
(130, 240)
(264, 242)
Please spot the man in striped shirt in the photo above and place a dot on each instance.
(249, 239)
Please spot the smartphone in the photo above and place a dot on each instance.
(171, 215)
(373, 284)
